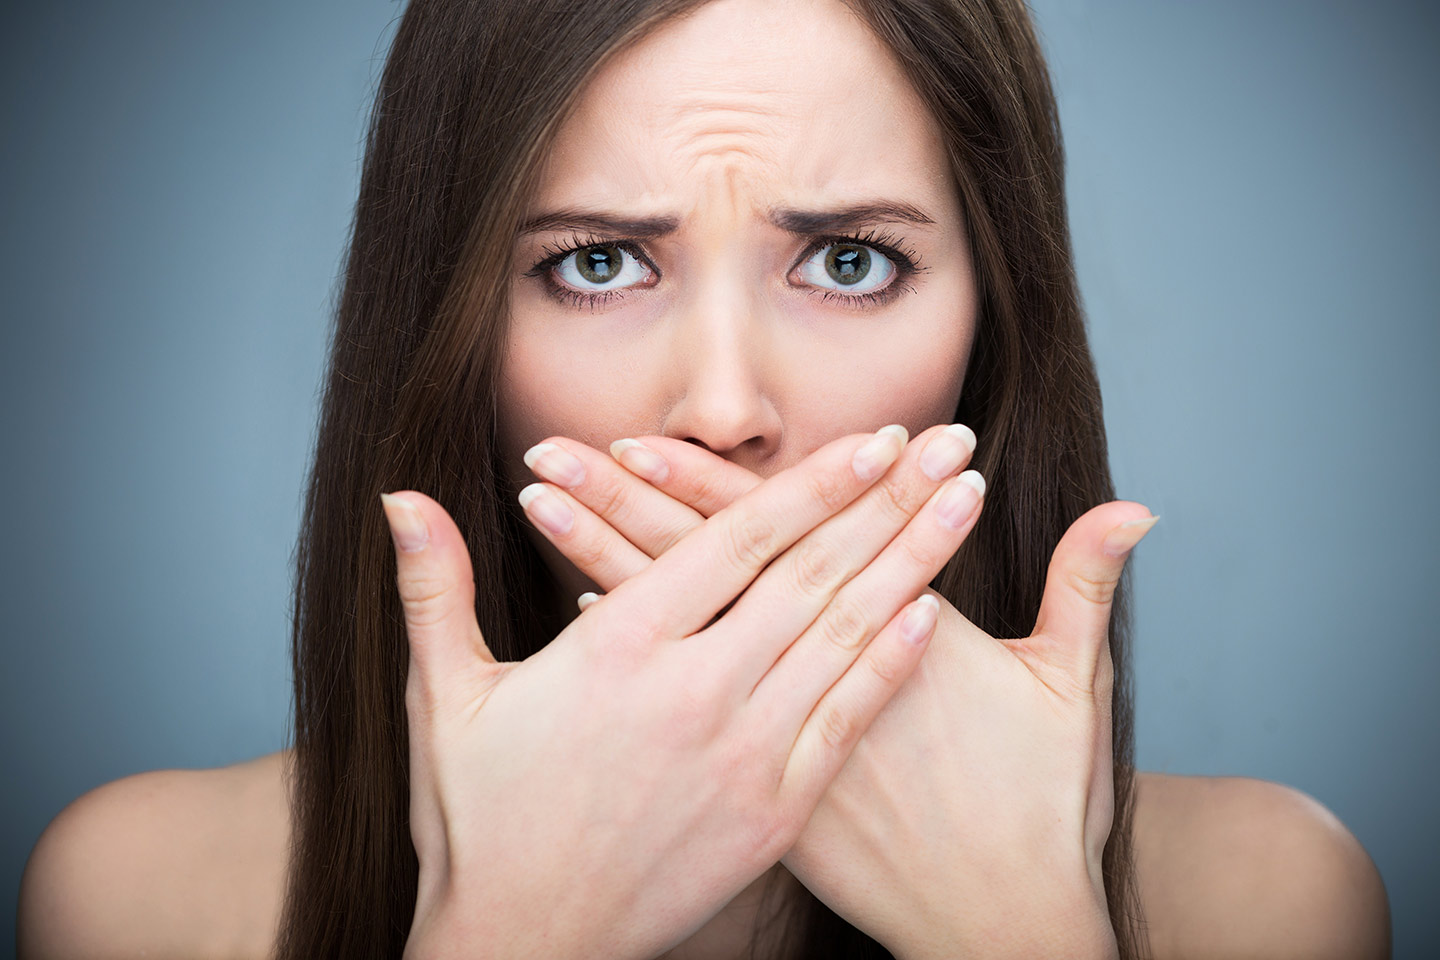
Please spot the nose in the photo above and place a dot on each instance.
(723, 372)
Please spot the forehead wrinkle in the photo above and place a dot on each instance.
(717, 146)
(697, 120)
(763, 108)
(738, 160)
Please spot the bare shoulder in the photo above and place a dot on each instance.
(1237, 867)
(170, 863)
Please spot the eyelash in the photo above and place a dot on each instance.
(906, 261)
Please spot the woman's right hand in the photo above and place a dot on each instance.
(609, 794)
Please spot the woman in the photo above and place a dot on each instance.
(488, 310)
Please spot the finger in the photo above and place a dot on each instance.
(585, 540)
(847, 710)
(830, 646)
(706, 571)
(646, 517)
(802, 585)
(437, 592)
(686, 472)
(1073, 625)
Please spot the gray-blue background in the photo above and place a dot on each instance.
(1255, 210)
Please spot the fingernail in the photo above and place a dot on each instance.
(585, 599)
(546, 509)
(961, 497)
(407, 526)
(640, 460)
(556, 464)
(946, 450)
(876, 456)
(920, 619)
(1122, 539)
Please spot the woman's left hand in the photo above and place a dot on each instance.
(971, 817)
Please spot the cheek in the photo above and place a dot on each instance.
(908, 369)
(929, 355)
(549, 388)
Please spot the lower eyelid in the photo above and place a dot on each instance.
(898, 285)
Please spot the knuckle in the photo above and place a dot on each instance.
(751, 541)
(844, 625)
(836, 728)
(831, 490)
(892, 497)
(610, 498)
(917, 553)
(1098, 591)
(426, 599)
(814, 566)
(591, 553)
(887, 669)
(674, 535)
(704, 488)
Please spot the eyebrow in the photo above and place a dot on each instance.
(800, 222)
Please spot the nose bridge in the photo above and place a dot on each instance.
(720, 352)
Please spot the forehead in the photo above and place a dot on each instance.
(782, 100)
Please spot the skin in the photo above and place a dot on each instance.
(722, 341)
(655, 757)
(730, 352)
(895, 862)
(734, 348)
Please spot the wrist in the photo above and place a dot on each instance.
(447, 925)
(1079, 928)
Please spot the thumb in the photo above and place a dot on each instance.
(437, 590)
(1074, 621)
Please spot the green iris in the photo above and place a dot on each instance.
(599, 264)
(847, 263)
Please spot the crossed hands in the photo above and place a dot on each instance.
(704, 719)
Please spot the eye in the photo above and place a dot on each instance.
(848, 268)
(601, 267)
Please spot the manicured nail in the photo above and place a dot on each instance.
(920, 619)
(556, 464)
(876, 456)
(961, 497)
(1122, 539)
(640, 460)
(946, 450)
(585, 599)
(407, 527)
(546, 509)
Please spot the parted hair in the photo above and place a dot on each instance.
(470, 98)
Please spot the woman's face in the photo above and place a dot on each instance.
(746, 236)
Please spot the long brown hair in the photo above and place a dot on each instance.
(471, 96)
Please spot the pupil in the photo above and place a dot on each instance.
(847, 263)
(599, 264)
